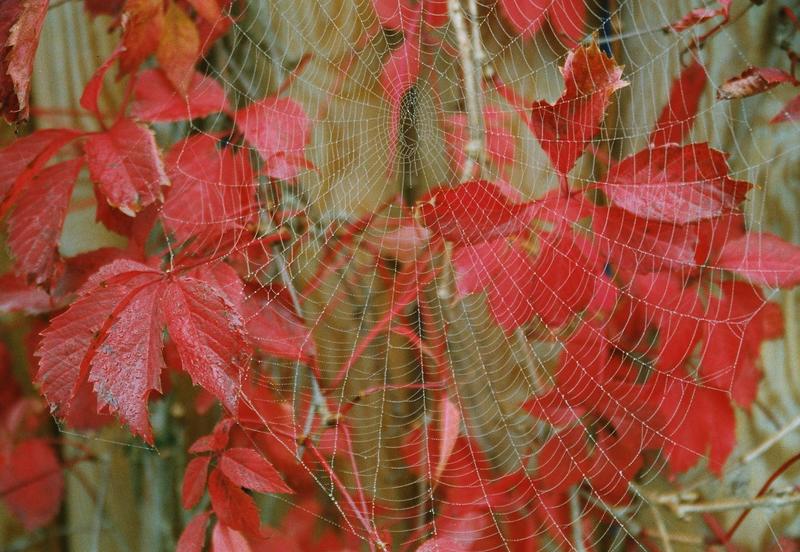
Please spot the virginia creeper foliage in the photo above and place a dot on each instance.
(645, 278)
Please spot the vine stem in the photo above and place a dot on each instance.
(472, 57)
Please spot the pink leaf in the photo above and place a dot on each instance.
(273, 126)
(156, 100)
(763, 259)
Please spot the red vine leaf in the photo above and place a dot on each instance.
(790, 111)
(91, 93)
(142, 26)
(194, 481)
(207, 9)
(473, 212)
(754, 80)
(675, 184)
(675, 120)
(274, 126)
(20, 25)
(567, 17)
(227, 539)
(31, 483)
(213, 195)
(194, 534)
(35, 225)
(113, 335)
(763, 259)
(232, 505)
(156, 99)
(125, 163)
(247, 468)
(179, 48)
(701, 15)
(565, 128)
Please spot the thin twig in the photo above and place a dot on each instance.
(727, 505)
(766, 445)
(662, 528)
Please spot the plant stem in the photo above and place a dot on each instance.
(472, 57)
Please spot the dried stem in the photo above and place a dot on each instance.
(727, 505)
(766, 445)
(472, 58)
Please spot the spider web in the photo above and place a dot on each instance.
(329, 57)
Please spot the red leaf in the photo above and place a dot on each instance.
(505, 272)
(274, 328)
(179, 48)
(273, 126)
(790, 112)
(213, 195)
(754, 80)
(473, 212)
(640, 245)
(34, 227)
(565, 128)
(207, 9)
(247, 468)
(104, 7)
(20, 25)
(526, 16)
(216, 441)
(194, 534)
(735, 325)
(91, 93)
(17, 296)
(699, 421)
(675, 184)
(442, 544)
(676, 118)
(209, 335)
(399, 15)
(226, 539)
(125, 163)
(233, 506)
(113, 334)
(31, 483)
(449, 421)
(701, 15)
(568, 18)
(194, 481)
(142, 26)
(763, 259)
(400, 72)
(21, 153)
(156, 100)
(560, 459)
